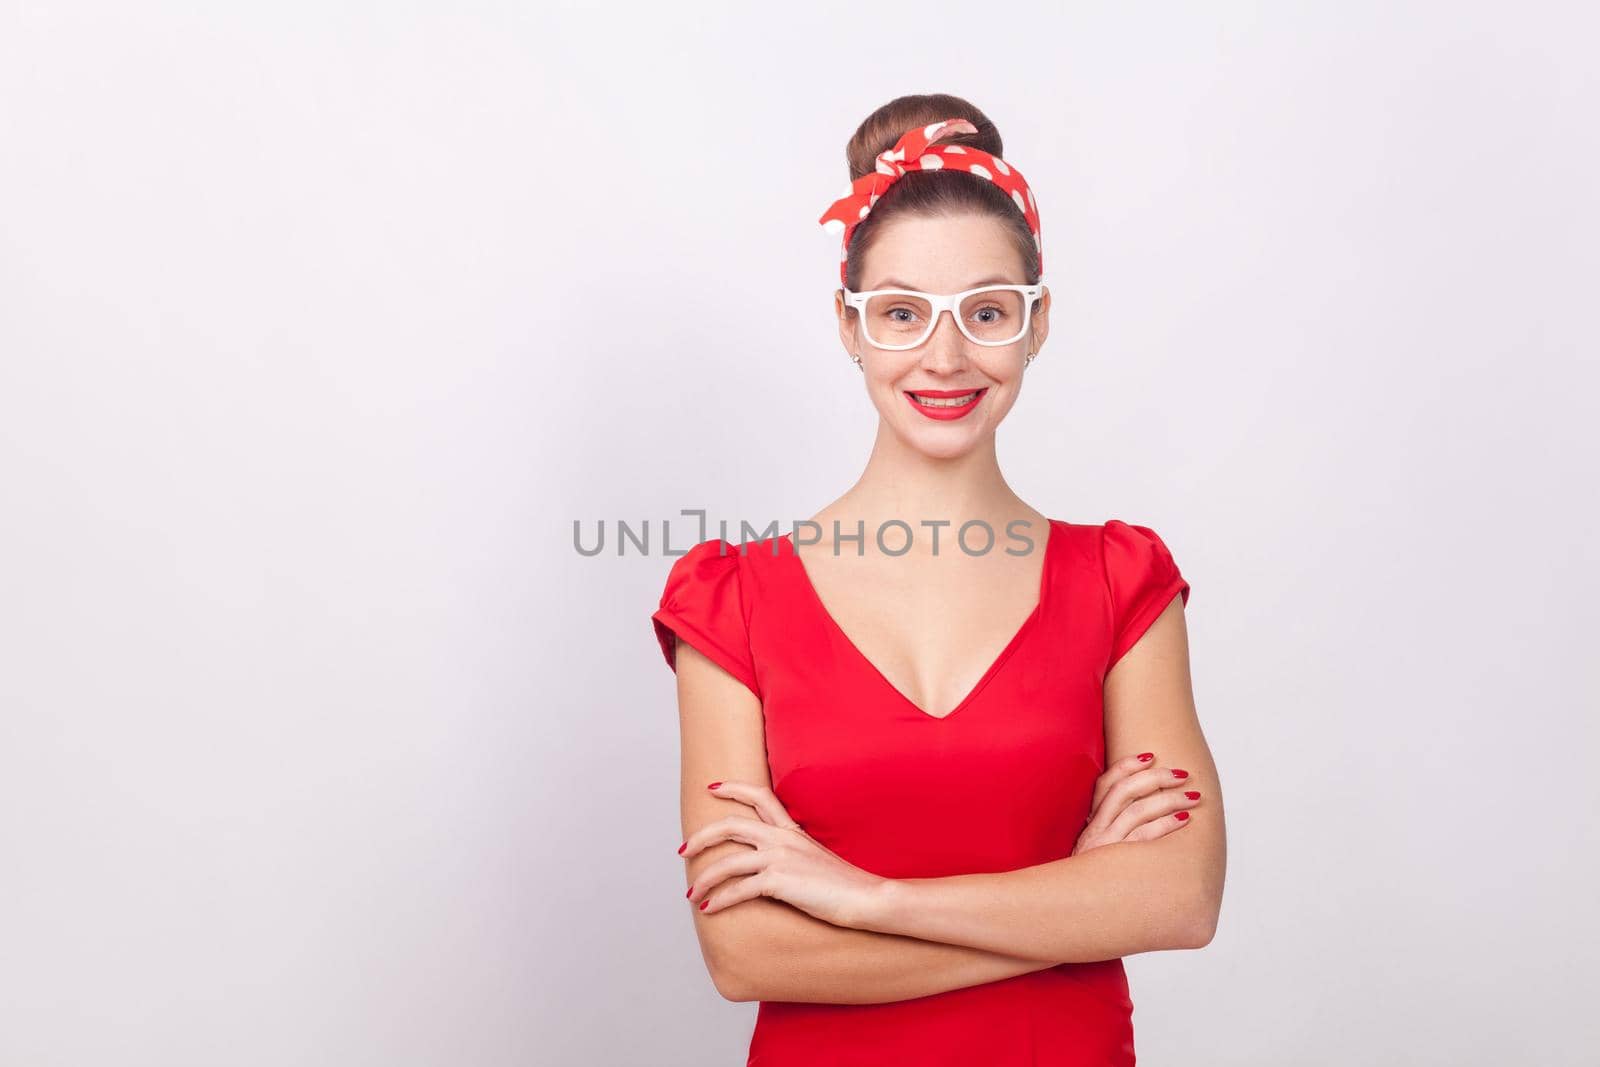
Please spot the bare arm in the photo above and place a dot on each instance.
(778, 952)
(1111, 901)
(765, 949)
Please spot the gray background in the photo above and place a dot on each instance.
(322, 323)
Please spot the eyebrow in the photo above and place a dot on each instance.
(895, 283)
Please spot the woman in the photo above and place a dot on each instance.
(931, 797)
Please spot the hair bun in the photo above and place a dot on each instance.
(881, 129)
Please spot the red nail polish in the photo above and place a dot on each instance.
(1146, 757)
(704, 902)
(713, 785)
(1192, 794)
(1180, 774)
(690, 893)
(1182, 815)
(682, 847)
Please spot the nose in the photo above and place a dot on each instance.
(946, 347)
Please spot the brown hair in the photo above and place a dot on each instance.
(930, 194)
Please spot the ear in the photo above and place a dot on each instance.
(1041, 320)
(848, 334)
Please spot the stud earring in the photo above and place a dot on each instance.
(1028, 360)
(856, 356)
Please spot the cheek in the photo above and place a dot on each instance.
(888, 375)
(886, 394)
(1004, 402)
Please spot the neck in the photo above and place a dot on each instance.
(905, 484)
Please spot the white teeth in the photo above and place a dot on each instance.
(945, 402)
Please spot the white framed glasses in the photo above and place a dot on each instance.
(904, 318)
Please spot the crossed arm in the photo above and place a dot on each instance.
(930, 935)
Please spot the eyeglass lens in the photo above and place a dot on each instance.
(994, 316)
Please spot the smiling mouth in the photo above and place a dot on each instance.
(944, 398)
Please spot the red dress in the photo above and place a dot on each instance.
(1003, 781)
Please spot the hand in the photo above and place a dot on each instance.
(784, 863)
(1137, 800)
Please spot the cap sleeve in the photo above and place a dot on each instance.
(1142, 578)
(703, 605)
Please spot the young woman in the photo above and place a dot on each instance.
(936, 783)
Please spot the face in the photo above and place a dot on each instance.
(942, 255)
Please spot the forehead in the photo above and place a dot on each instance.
(942, 255)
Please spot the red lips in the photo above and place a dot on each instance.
(944, 414)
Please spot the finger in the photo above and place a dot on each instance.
(1157, 782)
(732, 828)
(1117, 771)
(1140, 784)
(1151, 809)
(761, 798)
(736, 892)
(1160, 827)
(747, 861)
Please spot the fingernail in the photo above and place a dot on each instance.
(1192, 794)
(682, 847)
(704, 902)
(713, 785)
(1180, 816)
(1146, 757)
(690, 893)
(1180, 774)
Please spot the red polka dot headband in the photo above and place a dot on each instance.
(916, 151)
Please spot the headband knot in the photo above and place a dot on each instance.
(916, 150)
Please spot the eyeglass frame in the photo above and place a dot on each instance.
(938, 305)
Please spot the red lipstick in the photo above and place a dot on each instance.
(945, 411)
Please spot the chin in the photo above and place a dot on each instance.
(938, 442)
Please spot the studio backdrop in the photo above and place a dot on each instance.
(329, 334)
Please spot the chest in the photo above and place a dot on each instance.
(1004, 780)
(931, 629)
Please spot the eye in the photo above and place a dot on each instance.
(910, 315)
(994, 314)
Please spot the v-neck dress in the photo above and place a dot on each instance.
(1003, 781)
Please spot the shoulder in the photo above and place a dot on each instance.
(1129, 542)
(705, 604)
(1134, 558)
(1141, 579)
(1141, 573)
(709, 563)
